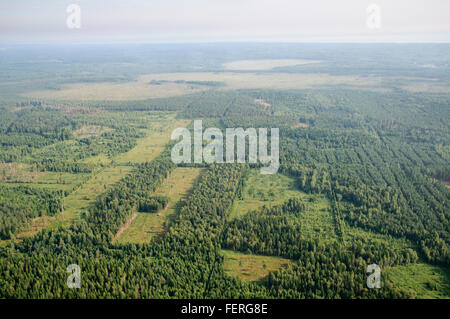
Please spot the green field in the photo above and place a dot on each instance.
(145, 226)
(52, 181)
(84, 188)
(15, 174)
(84, 196)
(160, 85)
(156, 137)
(423, 280)
(271, 190)
(352, 234)
(260, 190)
(146, 149)
(317, 223)
(251, 267)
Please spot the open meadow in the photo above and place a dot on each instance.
(145, 226)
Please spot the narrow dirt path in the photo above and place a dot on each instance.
(160, 213)
(125, 227)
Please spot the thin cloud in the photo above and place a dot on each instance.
(225, 20)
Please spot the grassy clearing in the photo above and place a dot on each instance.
(52, 181)
(146, 226)
(251, 267)
(263, 190)
(78, 201)
(84, 196)
(316, 222)
(60, 178)
(235, 80)
(423, 280)
(262, 102)
(350, 234)
(17, 173)
(157, 136)
(91, 130)
(253, 65)
(147, 148)
(140, 89)
(162, 85)
(297, 125)
(62, 181)
(275, 189)
(99, 160)
(87, 187)
(37, 224)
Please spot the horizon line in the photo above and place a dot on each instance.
(11, 43)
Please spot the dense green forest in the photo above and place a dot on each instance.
(378, 158)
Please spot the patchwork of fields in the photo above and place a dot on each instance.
(84, 188)
(317, 223)
(163, 85)
(86, 175)
(147, 148)
(272, 190)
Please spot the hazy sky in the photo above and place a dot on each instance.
(224, 20)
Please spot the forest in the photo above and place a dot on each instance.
(363, 179)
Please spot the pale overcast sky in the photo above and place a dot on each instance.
(224, 20)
